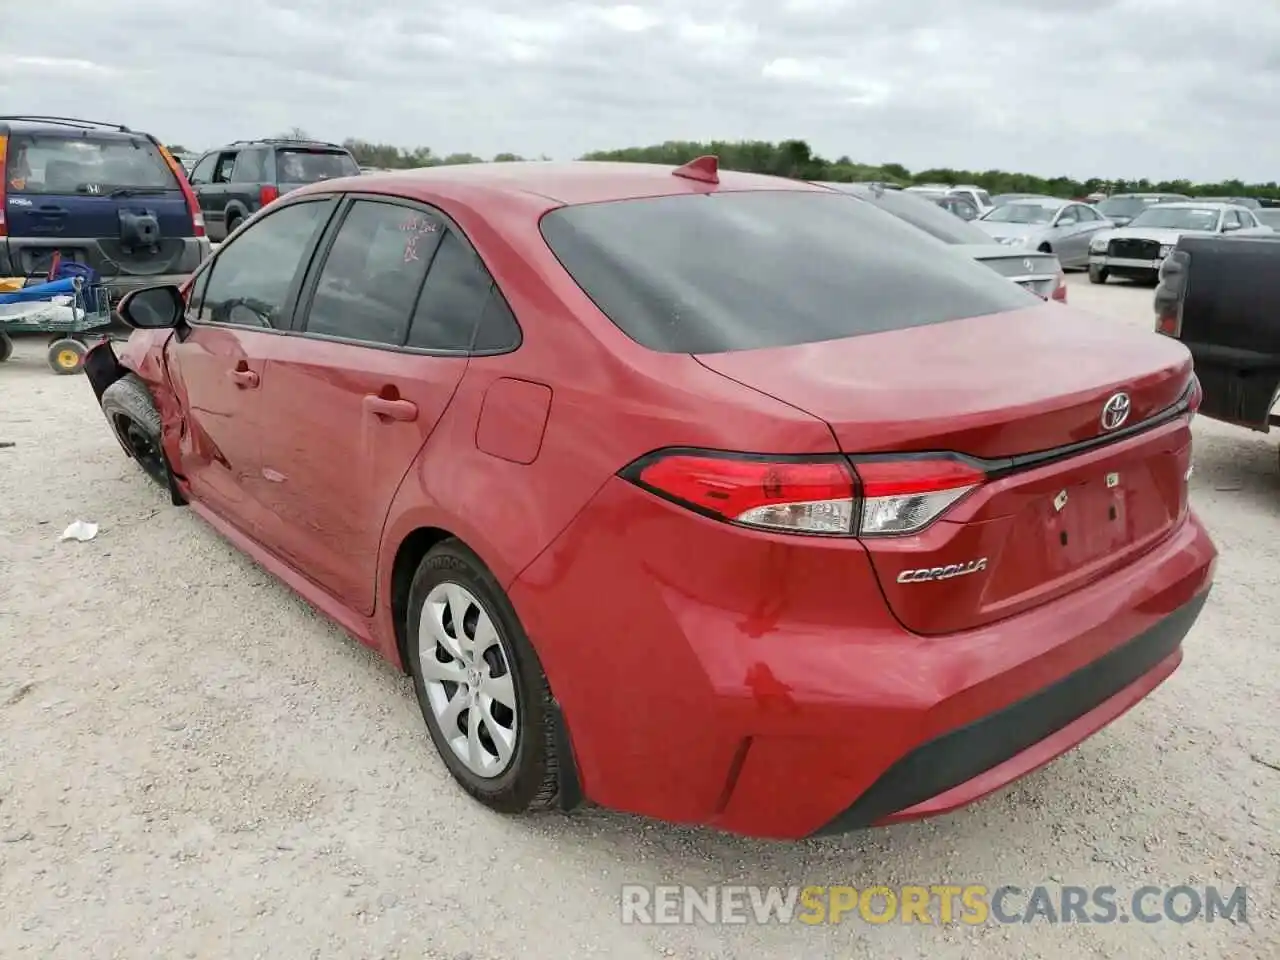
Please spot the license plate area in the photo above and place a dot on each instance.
(1089, 520)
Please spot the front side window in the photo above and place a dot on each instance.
(717, 272)
(85, 164)
(371, 277)
(202, 172)
(251, 277)
(222, 172)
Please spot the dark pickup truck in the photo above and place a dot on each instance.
(1221, 297)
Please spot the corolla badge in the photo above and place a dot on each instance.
(1115, 411)
(926, 574)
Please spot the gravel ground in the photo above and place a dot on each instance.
(194, 764)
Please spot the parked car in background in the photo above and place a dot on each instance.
(484, 446)
(958, 205)
(234, 182)
(974, 194)
(1120, 208)
(1220, 296)
(1062, 227)
(1249, 203)
(1136, 251)
(1268, 217)
(1000, 199)
(96, 194)
(1035, 271)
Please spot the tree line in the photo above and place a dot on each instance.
(796, 159)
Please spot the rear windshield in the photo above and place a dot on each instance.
(51, 164)
(928, 216)
(712, 273)
(1268, 216)
(312, 166)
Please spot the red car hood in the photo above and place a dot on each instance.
(994, 386)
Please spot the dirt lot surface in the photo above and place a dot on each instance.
(194, 764)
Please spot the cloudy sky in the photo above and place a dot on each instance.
(1121, 88)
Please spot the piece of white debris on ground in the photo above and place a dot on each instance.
(80, 530)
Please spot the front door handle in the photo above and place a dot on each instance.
(403, 410)
(244, 378)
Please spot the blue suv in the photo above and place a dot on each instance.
(100, 195)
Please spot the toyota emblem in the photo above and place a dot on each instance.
(1115, 411)
(1028, 265)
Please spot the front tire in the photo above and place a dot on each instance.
(128, 407)
(480, 685)
(1097, 274)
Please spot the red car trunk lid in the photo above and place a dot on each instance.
(997, 388)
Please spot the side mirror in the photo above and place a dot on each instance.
(1230, 227)
(153, 308)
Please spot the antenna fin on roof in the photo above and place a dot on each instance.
(703, 169)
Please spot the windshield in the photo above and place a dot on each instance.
(311, 166)
(729, 271)
(80, 163)
(929, 217)
(1019, 212)
(1177, 218)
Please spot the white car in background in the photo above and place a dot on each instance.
(980, 199)
(1136, 251)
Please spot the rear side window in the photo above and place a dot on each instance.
(312, 166)
(711, 273)
(84, 164)
(251, 278)
(250, 167)
(455, 296)
(371, 277)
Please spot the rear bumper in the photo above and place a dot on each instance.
(716, 676)
(118, 281)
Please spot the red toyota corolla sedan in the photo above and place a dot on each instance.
(713, 497)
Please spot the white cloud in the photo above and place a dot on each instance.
(1128, 88)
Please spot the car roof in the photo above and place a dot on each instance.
(1035, 200)
(1198, 205)
(568, 182)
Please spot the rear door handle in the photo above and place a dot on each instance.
(244, 378)
(390, 409)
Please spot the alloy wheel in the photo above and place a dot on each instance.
(466, 669)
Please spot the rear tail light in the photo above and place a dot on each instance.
(4, 145)
(1169, 293)
(1060, 291)
(189, 195)
(1169, 320)
(268, 194)
(821, 495)
(906, 495)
